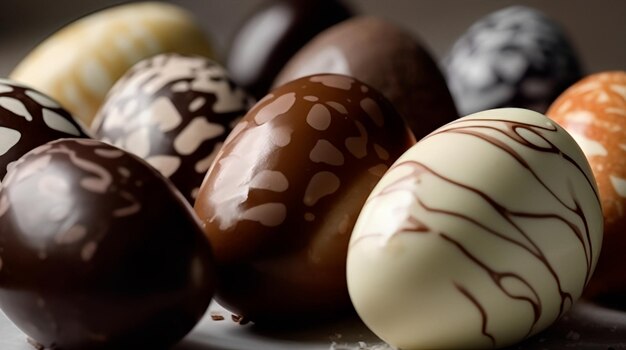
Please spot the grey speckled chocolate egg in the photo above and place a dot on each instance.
(174, 111)
(515, 57)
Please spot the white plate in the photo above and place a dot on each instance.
(585, 327)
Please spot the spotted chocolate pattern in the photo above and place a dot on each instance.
(28, 119)
(90, 260)
(594, 112)
(491, 226)
(284, 191)
(514, 57)
(174, 111)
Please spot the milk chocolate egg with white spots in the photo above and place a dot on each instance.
(174, 111)
(594, 111)
(385, 56)
(514, 57)
(99, 251)
(482, 234)
(280, 200)
(28, 119)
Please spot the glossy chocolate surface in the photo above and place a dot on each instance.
(269, 37)
(386, 57)
(98, 251)
(283, 194)
(593, 110)
(174, 111)
(28, 119)
(514, 57)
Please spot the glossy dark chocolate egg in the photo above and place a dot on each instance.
(28, 119)
(174, 111)
(388, 58)
(282, 196)
(514, 57)
(99, 251)
(269, 37)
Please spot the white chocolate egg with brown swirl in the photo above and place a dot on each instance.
(482, 234)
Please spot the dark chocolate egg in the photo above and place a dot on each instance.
(282, 196)
(388, 58)
(272, 34)
(514, 57)
(28, 119)
(99, 251)
(174, 111)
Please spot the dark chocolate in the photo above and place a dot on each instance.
(28, 119)
(174, 111)
(272, 34)
(99, 251)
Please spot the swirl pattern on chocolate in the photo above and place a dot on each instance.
(89, 258)
(174, 111)
(509, 208)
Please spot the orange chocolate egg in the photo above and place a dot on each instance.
(594, 112)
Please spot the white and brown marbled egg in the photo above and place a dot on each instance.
(28, 119)
(174, 111)
(280, 200)
(594, 112)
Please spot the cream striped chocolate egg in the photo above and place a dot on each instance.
(78, 64)
(174, 111)
(280, 200)
(28, 119)
(482, 234)
(594, 112)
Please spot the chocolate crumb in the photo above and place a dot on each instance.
(239, 319)
(217, 317)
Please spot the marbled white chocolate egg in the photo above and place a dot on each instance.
(482, 234)
(28, 119)
(80, 63)
(515, 57)
(99, 251)
(280, 200)
(594, 112)
(174, 111)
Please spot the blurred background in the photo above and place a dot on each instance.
(596, 28)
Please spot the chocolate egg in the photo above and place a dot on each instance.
(386, 57)
(174, 111)
(78, 64)
(483, 233)
(594, 112)
(272, 34)
(514, 57)
(280, 200)
(98, 251)
(28, 119)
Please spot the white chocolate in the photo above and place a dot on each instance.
(480, 235)
(78, 64)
